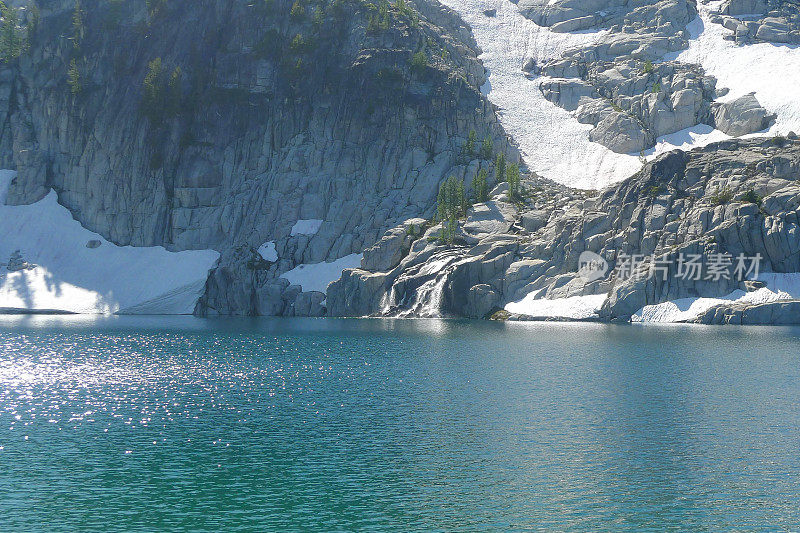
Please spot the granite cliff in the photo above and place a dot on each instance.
(512, 256)
(222, 124)
(288, 144)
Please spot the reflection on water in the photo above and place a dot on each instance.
(165, 422)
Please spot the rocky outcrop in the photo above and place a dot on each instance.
(735, 198)
(393, 246)
(741, 116)
(637, 29)
(751, 21)
(221, 124)
(781, 313)
(17, 263)
(621, 84)
(632, 103)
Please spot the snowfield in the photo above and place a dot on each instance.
(770, 71)
(268, 252)
(317, 276)
(552, 142)
(779, 287)
(306, 227)
(71, 277)
(555, 145)
(575, 308)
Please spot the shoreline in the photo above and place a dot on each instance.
(739, 317)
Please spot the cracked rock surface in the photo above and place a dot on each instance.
(734, 197)
(258, 118)
(623, 86)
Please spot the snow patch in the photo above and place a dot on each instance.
(317, 276)
(306, 227)
(268, 252)
(687, 139)
(180, 301)
(575, 307)
(555, 145)
(771, 71)
(779, 287)
(552, 142)
(69, 276)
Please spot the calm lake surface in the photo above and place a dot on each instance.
(339, 425)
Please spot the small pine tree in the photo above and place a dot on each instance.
(451, 205)
(74, 77)
(372, 24)
(298, 43)
(78, 29)
(153, 90)
(469, 146)
(487, 148)
(514, 182)
(406, 12)
(752, 197)
(419, 62)
(383, 14)
(297, 10)
(319, 16)
(480, 186)
(12, 42)
(500, 167)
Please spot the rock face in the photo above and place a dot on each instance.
(622, 86)
(632, 103)
(783, 313)
(638, 29)
(741, 116)
(220, 124)
(735, 198)
(773, 21)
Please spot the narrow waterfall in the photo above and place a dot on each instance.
(418, 292)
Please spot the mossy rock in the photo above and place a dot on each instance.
(499, 315)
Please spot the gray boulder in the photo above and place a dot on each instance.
(567, 93)
(534, 220)
(745, 7)
(742, 116)
(309, 304)
(491, 217)
(393, 246)
(482, 299)
(780, 313)
(621, 133)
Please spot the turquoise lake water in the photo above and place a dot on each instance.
(141, 424)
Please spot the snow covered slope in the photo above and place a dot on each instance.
(555, 145)
(70, 276)
(317, 276)
(779, 287)
(574, 308)
(770, 71)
